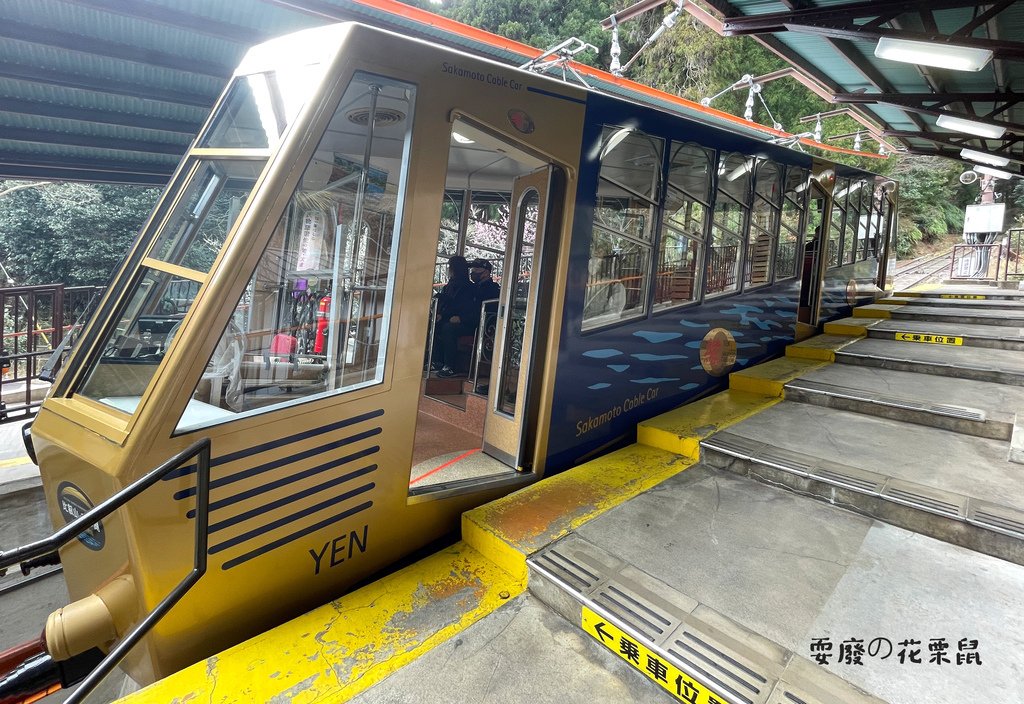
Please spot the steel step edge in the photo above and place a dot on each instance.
(738, 672)
(977, 512)
(939, 409)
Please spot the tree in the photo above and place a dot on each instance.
(926, 209)
(71, 233)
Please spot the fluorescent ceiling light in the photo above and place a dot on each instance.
(989, 171)
(983, 158)
(970, 127)
(960, 58)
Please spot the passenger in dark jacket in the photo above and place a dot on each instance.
(486, 288)
(457, 312)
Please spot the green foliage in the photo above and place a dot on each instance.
(539, 23)
(932, 200)
(71, 233)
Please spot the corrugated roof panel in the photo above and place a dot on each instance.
(265, 18)
(87, 100)
(70, 62)
(87, 130)
(124, 31)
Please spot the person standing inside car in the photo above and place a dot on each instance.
(457, 310)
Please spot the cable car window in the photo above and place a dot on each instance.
(683, 227)
(835, 231)
(794, 203)
(621, 243)
(764, 223)
(853, 214)
(728, 223)
(876, 226)
(259, 107)
(866, 222)
(315, 316)
(194, 232)
(485, 215)
(133, 349)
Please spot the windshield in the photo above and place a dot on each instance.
(162, 292)
(259, 107)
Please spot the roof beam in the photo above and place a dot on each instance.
(838, 22)
(69, 42)
(102, 117)
(918, 106)
(62, 173)
(946, 141)
(846, 49)
(922, 99)
(111, 86)
(13, 159)
(780, 21)
(954, 156)
(21, 134)
(852, 55)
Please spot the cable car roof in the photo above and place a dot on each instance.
(104, 90)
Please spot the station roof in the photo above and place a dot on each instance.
(833, 42)
(114, 90)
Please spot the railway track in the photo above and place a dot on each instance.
(922, 270)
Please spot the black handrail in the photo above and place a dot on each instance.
(201, 451)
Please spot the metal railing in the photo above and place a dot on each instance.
(47, 546)
(35, 320)
(1014, 255)
(981, 262)
(483, 339)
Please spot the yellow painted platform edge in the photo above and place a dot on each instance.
(246, 672)
(696, 421)
(867, 312)
(851, 329)
(753, 381)
(596, 486)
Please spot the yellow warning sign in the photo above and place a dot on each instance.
(679, 684)
(964, 296)
(933, 339)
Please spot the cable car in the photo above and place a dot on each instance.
(279, 304)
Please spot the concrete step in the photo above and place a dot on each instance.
(731, 584)
(943, 359)
(984, 409)
(964, 302)
(972, 293)
(942, 314)
(957, 419)
(962, 334)
(959, 489)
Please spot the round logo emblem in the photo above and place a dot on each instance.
(851, 292)
(74, 504)
(521, 121)
(718, 352)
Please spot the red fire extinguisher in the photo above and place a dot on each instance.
(322, 314)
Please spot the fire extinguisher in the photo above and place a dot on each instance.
(322, 314)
